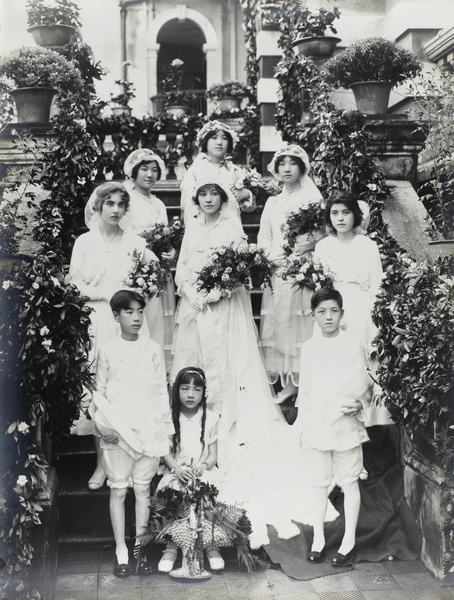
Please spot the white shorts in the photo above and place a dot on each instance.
(320, 463)
(123, 470)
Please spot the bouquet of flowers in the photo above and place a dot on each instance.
(150, 279)
(194, 520)
(260, 187)
(305, 272)
(230, 268)
(162, 238)
(305, 220)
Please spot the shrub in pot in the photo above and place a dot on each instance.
(229, 95)
(35, 69)
(372, 60)
(52, 24)
(176, 101)
(310, 32)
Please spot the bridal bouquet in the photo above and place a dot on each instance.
(305, 220)
(305, 272)
(150, 279)
(230, 268)
(162, 238)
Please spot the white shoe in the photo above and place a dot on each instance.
(167, 561)
(215, 561)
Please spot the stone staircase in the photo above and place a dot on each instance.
(83, 515)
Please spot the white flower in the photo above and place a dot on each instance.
(21, 480)
(372, 187)
(81, 122)
(55, 231)
(252, 247)
(44, 331)
(55, 281)
(23, 427)
(35, 285)
(55, 212)
(48, 345)
(6, 285)
(176, 62)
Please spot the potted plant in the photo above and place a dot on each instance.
(309, 32)
(268, 16)
(435, 116)
(121, 100)
(229, 95)
(176, 101)
(37, 74)
(371, 67)
(52, 24)
(414, 316)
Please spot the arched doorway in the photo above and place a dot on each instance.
(187, 34)
(184, 40)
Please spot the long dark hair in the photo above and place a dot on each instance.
(197, 377)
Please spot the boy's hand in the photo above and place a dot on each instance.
(352, 409)
(110, 439)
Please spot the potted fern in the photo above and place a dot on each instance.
(228, 96)
(33, 76)
(310, 38)
(371, 68)
(52, 25)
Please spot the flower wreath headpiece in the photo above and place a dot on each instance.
(290, 150)
(215, 126)
(142, 155)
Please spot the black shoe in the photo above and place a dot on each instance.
(344, 560)
(121, 571)
(143, 565)
(315, 557)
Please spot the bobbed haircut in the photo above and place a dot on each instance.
(326, 294)
(350, 202)
(105, 191)
(208, 186)
(122, 299)
(187, 375)
(136, 168)
(296, 159)
(210, 134)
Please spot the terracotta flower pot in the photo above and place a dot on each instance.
(372, 97)
(319, 47)
(33, 104)
(52, 35)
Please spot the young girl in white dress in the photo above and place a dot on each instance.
(217, 333)
(354, 259)
(215, 142)
(286, 318)
(101, 262)
(193, 449)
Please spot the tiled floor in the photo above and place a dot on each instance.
(87, 575)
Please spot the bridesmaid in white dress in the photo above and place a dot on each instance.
(286, 316)
(101, 262)
(354, 259)
(215, 141)
(143, 169)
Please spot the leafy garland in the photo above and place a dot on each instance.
(44, 335)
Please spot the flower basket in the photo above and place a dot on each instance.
(317, 47)
(372, 97)
(33, 104)
(51, 36)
